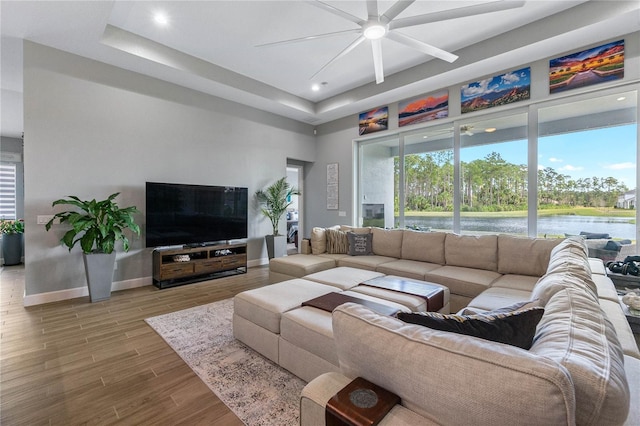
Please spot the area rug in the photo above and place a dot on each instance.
(257, 390)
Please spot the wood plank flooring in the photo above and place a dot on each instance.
(76, 362)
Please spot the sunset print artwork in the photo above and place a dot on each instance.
(499, 90)
(591, 66)
(374, 121)
(423, 108)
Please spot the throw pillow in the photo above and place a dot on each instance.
(337, 242)
(515, 328)
(359, 244)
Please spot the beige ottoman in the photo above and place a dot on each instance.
(257, 312)
(414, 303)
(343, 277)
(297, 266)
(306, 342)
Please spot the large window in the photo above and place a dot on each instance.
(587, 168)
(428, 179)
(559, 168)
(493, 175)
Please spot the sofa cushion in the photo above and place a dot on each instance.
(359, 244)
(512, 327)
(387, 242)
(299, 265)
(575, 333)
(495, 298)
(337, 242)
(471, 251)
(264, 306)
(355, 229)
(423, 246)
(524, 256)
(481, 375)
(550, 284)
(343, 277)
(462, 281)
(310, 329)
(407, 268)
(519, 282)
(370, 263)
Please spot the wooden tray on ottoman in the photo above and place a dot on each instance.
(330, 301)
(433, 294)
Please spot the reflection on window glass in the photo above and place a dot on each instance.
(587, 173)
(377, 189)
(493, 176)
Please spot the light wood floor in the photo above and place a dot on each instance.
(76, 362)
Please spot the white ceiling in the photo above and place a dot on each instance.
(210, 46)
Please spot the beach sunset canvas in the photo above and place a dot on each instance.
(423, 108)
(373, 121)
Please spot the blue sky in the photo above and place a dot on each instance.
(600, 152)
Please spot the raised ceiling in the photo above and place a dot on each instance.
(211, 46)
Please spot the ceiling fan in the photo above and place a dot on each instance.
(378, 26)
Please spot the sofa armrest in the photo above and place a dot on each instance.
(305, 247)
(316, 394)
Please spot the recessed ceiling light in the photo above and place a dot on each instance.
(375, 31)
(160, 18)
(315, 87)
(490, 129)
(621, 98)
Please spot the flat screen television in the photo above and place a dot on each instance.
(191, 215)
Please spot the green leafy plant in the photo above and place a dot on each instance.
(275, 200)
(98, 224)
(9, 226)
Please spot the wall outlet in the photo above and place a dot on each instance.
(43, 219)
(342, 214)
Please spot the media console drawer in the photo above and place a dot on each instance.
(208, 265)
(176, 269)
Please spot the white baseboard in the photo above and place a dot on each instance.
(73, 293)
(258, 262)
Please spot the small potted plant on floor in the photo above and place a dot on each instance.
(12, 240)
(274, 201)
(97, 226)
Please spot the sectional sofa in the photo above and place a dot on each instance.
(583, 366)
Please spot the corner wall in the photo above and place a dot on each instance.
(92, 129)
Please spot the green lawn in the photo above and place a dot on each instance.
(577, 211)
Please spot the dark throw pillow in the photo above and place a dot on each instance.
(360, 244)
(516, 328)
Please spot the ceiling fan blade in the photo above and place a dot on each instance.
(346, 50)
(423, 47)
(376, 46)
(395, 10)
(336, 11)
(461, 12)
(307, 38)
(372, 8)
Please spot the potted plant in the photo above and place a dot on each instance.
(12, 240)
(97, 227)
(274, 201)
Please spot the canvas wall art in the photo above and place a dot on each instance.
(499, 90)
(424, 108)
(591, 66)
(374, 121)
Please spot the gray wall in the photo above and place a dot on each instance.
(92, 130)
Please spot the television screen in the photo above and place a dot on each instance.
(179, 214)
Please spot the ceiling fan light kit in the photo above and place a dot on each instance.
(376, 27)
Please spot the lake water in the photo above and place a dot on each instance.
(616, 227)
